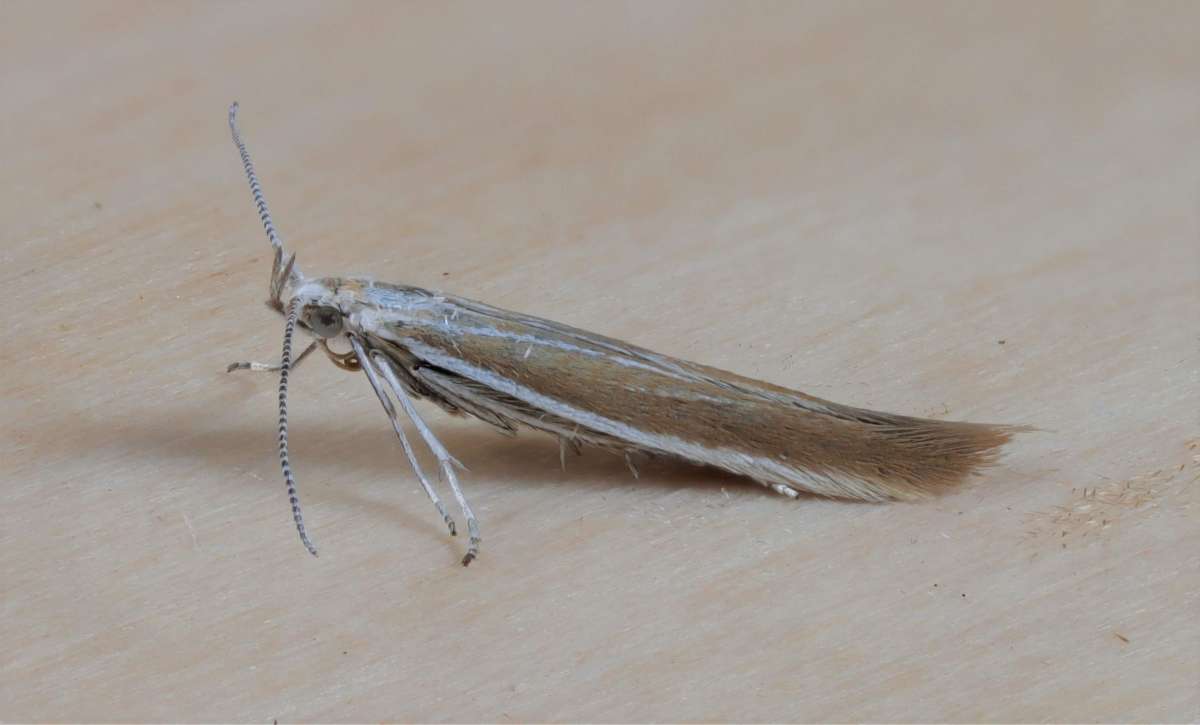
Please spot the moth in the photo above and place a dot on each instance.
(516, 371)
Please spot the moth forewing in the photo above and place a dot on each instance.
(575, 384)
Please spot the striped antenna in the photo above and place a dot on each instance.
(264, 213)
(285, 367)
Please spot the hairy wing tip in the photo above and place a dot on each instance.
(950, 454)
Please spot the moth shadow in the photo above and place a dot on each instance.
(335, 457)
(534, 460)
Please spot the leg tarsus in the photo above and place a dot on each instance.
(254, 366)
(270, 367)
(472, 553)
(472, 543)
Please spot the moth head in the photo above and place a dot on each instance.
(319, 312)
(324, 320)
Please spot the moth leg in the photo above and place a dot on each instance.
(784, 489)
(632, 467)
(270, 367)
(390, 409)
(563, 444)
(445, 460)
(344, 360)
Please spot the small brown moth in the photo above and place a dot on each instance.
(513, 370)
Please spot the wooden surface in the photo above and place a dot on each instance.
(983, 212)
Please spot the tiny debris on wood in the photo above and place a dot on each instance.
(1095, 510)
(1121, 637)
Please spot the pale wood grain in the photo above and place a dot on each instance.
(985, 212)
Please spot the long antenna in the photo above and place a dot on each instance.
(264, 213)
(285, 367)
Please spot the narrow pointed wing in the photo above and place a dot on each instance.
(513, 369)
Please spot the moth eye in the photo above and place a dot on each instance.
(325, 321)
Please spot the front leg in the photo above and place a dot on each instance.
(270, 367)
